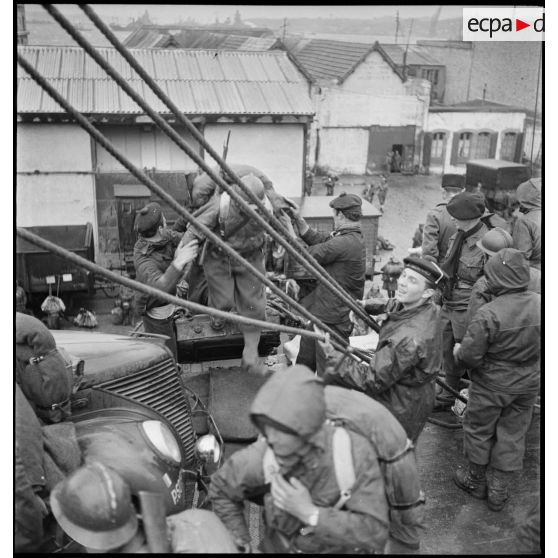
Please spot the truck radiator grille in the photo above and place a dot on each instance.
(159, 388)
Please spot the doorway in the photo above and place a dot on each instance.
(397, 158)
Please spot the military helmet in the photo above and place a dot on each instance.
(94, 507)
(494, 240)
(254, 184)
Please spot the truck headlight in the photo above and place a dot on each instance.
(208, 449)
(162, 438)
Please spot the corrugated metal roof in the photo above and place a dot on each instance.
(148, 38)
(198, 81)
(416, 55)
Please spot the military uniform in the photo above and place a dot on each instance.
(231, 285)
(152, 261)
(407, 360)
(502, 347)
(526, 231)
(343, 255)
(469, 266)
(294, 400)
(439, 228)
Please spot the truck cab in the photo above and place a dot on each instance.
(131, 412)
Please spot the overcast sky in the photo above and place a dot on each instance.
(207, 13)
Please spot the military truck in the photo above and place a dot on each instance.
(497, 180)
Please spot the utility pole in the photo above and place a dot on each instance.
(396, 25)
(407, 49)
(284, 27)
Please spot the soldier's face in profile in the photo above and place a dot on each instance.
(288, 448)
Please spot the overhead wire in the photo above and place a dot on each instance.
(298, 251)
(153, 291)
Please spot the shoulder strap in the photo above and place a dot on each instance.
(343, 463)
(270, 465)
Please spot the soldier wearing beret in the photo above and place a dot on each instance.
(408, 357)
(464, 264)
(160, 263)
(439, 226)
(343, 255)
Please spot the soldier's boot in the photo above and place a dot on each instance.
(498, 488)
(472, 479)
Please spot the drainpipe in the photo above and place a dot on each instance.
(470, 71)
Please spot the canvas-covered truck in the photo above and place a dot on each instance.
(39, 272)
(497, 180)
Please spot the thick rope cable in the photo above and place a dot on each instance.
(153, 291)
(142, 177)
(298, 251)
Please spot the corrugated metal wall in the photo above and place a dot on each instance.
(145, 146)
(61, 190)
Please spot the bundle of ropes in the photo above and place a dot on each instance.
(268, 222)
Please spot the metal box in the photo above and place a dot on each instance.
(35, 266)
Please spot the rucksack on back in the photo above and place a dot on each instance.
(358, 412)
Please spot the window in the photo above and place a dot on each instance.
(482, 146)
(430, 75)
(470, 144)
(508, 148)
(438, 141)
(464, 145)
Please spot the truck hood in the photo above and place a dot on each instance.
(107, 356)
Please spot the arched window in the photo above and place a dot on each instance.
(482, 146)
(438, 144)
(511, 144)
(464, 142)
(434, 149)
(473, 144)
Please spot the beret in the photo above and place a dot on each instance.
(148, 217)
(426, 268)
(453, 181)
(345, 201)
(466, 205)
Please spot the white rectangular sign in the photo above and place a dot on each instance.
(503, 24)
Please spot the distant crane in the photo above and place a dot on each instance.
(407, 49)
(284, 28)
(434, 22)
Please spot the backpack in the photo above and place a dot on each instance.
(353, 410)
(44, 375)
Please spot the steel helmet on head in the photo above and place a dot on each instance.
(494, 240)
(94, 507)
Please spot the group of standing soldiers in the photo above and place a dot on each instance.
(490, 328)
(496, 343)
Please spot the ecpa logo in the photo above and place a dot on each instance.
(503, 24)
